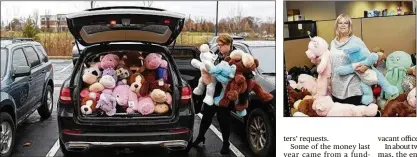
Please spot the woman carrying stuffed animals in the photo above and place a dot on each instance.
(223, 114)
(345, 88)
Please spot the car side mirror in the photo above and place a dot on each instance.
(21, 71)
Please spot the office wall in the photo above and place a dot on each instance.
(325, 29)
(318, 10)
(295, 53)
(355, 9)
(389, 33)
(397, 33)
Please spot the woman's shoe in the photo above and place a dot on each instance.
(198, 141)
(225, 148)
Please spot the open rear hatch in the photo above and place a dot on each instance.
(123, 24)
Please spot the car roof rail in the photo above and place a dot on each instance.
(21, 39)
(125, 7)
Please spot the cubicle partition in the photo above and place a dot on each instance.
(392, 33)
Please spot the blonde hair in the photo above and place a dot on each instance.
(350, 28)
(225, 39)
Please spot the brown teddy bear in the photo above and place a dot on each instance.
(306, 106)
(88, 105)
(236, 86)
(398, 108)
(134, 60)
(150, 83)
(245, 66)
(294, 95)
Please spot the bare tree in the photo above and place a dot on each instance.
(36, 17)
(48, 19)
(147, 3)
(235, 15)
(92, 3)
(2, 24)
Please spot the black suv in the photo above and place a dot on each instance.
(115, 29)
(26, 85)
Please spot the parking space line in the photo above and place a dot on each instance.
(53, 150)
(69, 65)
(219, 135)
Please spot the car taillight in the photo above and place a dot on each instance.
(65, 96)
(167, 21)
(185, 95)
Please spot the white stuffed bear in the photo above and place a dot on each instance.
(206, 78)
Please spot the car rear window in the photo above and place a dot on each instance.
(91, 29)
(3, 62)
(265, 54)
(42, 53)
(182, 54)
(19, 58)
(32, 56)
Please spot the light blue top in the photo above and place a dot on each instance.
(344, 86)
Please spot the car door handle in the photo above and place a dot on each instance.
(44, 71)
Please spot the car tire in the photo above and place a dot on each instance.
(45, 110)
(259, 127)
(8, 122)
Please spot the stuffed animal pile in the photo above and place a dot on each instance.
(235, 73)
(391, 92)
(132, 82)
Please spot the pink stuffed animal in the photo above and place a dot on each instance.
(318, 51)
(154, 61)
(126, 98)
(324, 106)
(146, 105)
(109, 61)
(86, 93)
(411, 98)
(307, 82)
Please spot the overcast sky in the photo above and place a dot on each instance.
(207, 9)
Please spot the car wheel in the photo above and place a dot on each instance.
(66, 152)
(7, 134)
(47, 106)
(259, 133)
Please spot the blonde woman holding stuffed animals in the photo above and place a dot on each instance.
(225, 43)
(345, 88)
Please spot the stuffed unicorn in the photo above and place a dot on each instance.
(206, 78)
(318, 51)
